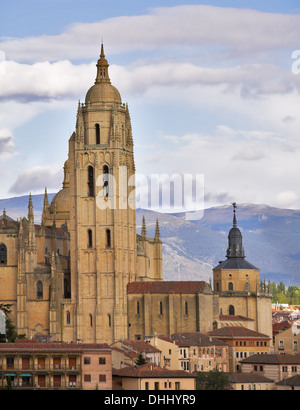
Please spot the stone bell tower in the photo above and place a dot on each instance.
(102, 213)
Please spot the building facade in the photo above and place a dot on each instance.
(85, 275)
(55, 366)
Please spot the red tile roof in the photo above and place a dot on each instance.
(150, 370)
(33, 346)
(235, 318)
(141, 346)
(232, 332)
(276, 359)
(165, 287)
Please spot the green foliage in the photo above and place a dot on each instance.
(213, 380)
(11, 333)
(281, 295)
(140, 361)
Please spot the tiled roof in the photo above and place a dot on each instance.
(197, 339)
(30, 346)
(247, 378)
(165, 287)
(232, 332)
(232, 318)
(141, 346)
(276, 359)
(291, 381)
(150, 370)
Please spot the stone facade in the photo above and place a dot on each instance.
(84, 274)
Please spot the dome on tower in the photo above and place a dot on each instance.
(60, 204)
(103, 91)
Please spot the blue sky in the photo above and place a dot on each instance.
(210, 88)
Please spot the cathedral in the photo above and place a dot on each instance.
(84, 274)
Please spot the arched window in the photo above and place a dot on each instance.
(91, 190)
(3, 254)
(68, 318)
(39, 289)
(105, 180)
(231, 310)
(90, 238)
(108, 238)
(230, 286)
(97, 134)
(246, 287)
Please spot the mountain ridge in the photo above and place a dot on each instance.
(192, 248)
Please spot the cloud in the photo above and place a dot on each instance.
(240, 31)
(37, 178)
(287, 199)
(7, 146)
(249, 154)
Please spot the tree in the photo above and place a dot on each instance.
(11, 332)
(141, 360)
(213, 380)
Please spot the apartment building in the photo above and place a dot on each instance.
(243, 343)
(48, 366)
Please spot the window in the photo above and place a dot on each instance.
(295, 345)
(91, 320)
(102, 378)
(97, 126)
(105, 180)
(3, 254)
(108, 238)
(39, 289)
(87, 360)
(160, 308)
(137, 308)
(68, 318)
(186, 310)
(230, 286)
(91, 191)
(146, 385)
(87, 378)
(102, 360)
(177, 385)
(231, 310)
(90, 238)
(109, 320)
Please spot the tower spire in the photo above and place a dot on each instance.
(235, 240)
(144, 230)
(234, 214)
(157, 232)
(102, 68)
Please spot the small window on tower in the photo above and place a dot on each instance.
(39, 289)
(97, 134)
(90, 238)
(105, 181)
(108, 238)
(3, 254)
(91, 181)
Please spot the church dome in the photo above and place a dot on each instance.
(60, 204)
(102, 91)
